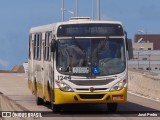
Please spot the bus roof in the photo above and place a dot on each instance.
(53, 27)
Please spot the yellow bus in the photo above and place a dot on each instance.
(78, 61)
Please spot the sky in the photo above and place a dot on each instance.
(18, 16)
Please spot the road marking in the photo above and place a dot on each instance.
(153, 99)
(19, 75)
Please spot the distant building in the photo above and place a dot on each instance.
(146, 52)
(143, 46)
(148, 39)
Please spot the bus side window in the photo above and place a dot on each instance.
(45, 46)
(35, 42)
(40, 45)
(37, 47)
(39, 41)
(29, 47)
(49, 46)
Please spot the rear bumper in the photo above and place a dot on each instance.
(90, 97)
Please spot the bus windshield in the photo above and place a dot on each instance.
(91, 57)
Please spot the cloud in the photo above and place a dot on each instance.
(4, 63)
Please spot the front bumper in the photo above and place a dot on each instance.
(61, 97)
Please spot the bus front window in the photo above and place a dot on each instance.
(71, 53)
(81, 56)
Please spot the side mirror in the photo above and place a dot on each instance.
(129, 46)
(53, 45)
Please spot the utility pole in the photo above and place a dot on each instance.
(98, 9)
(138, 59)
(93, 9)
(149, 63)
(76, 8)
(62, 10)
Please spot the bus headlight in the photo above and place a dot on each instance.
(119, 85)
(64, 87)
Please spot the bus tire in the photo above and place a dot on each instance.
(112, 107)
(39, 101)
(55, 108)
(35, 87)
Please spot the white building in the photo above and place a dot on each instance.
(143, 46)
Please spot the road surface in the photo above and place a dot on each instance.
(15, 86)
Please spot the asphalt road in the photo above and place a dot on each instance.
(15, 86)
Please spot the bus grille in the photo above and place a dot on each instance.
(87, 89)
(95, 96)
(91, 82)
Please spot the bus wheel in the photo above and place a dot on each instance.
(112, 107)
(39, 101)
(55, 108)
(35, 87)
